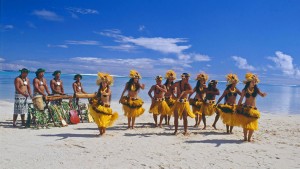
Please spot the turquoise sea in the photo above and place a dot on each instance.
(281, 99)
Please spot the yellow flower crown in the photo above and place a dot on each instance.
(251, 77)
(134, 74)
(170, 74)
(104, 77)
(232, 78)
(159, 77)
(202, 76)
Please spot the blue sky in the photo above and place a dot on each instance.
(217, 37)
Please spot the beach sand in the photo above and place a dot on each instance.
(277, 145)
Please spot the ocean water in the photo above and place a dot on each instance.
(281, 99)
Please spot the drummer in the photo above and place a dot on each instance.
(57, 86)
(77, 86)
(39, 88)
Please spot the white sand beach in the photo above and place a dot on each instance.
(276, 145)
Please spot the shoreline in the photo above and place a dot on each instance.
(275, 145)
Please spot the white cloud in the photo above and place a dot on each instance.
(141, 28)
(47, 15)
(6, 27)
(57, 46)
(200, 57)
(84, 42)
(284, 62)
(122, 47)
(184, 56)
(121, 63)
(242, 63)
(82, 11)
(2, 59)
(159, 44)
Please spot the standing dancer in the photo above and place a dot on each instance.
(22, 91)
(99, 107)
(198, 100)
(132, 104)
(158, 104)
(247, 112)
(169, 95)
(227, 110)
(182, 108)
(208, 107)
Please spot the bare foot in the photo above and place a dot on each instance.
(214, 126)
(132, 127)
(245, 139)
(175, 133)
(160, 126)
(250, 140)
(128, 127)
(14, 125)
(195, 125)
(204, 128)
(186, 134)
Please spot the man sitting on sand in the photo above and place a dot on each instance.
(22, 91)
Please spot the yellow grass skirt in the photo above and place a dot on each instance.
(248, 117)
(170, 101)
(132, 107)
(228, 114)
(208, 108)
(103, 116)
(183, 106)
(196, 106)
(160, 107)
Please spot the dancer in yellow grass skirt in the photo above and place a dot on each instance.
(247, 112)
(169, 95)
(227, 111)
(132, 104)
(158, 105)
(208, 106)
(198, 100)
(182, 108)
(99, 107)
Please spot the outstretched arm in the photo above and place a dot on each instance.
(262, 94)
(223, 95)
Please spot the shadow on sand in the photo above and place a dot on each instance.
(69, 135)
(9, 124)
(218, 142)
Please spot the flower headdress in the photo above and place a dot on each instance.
(170, 74)
(251, 77)
(134, 74)
(104, 77)
(232, 78)
(202, 76)
(159, 77)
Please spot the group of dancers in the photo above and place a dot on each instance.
(168, 99)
